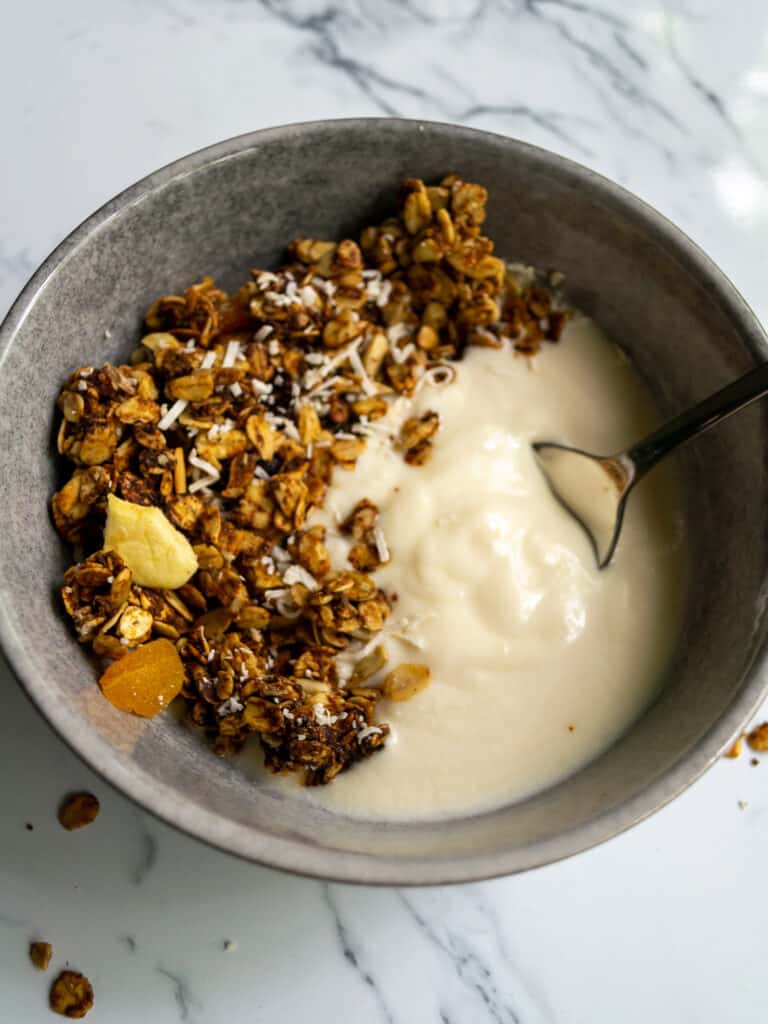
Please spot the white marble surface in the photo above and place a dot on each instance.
(664, 923)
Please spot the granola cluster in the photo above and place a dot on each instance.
(232, 417)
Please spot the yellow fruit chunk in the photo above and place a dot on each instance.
(146, 680)
(152, 548)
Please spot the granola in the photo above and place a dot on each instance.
(231, 418)
(78, 810)
(71, 995)
(40, 954)
(758, 737)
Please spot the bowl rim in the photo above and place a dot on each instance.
(298, 856)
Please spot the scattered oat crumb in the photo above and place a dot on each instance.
(735, 749)
(40, 954)
(754, 762)
(71, 995)
(743, 805)
(78, 810)
(571, 728)
(230, 946)
(758, 737)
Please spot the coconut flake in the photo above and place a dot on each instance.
(230, 707)
(198, 463)
(203, 483)
(439, 376)
(400, 355)
(261, 387)
(308, 295)
(266, 278)
(173, 414)
(231, 354)
(384, 292)
(323, 715)
(382, 549)
(396, 332)
(298, 574)
(289, 427)
(369, 730)
(365, 381)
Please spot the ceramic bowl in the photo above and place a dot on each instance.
(234, 206)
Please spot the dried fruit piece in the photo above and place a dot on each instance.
(71, 995)
(78, 810)
(405, 681)
(157, 554)
(40, 954)
(146, 680)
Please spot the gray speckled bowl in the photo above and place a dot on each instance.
(234, 206)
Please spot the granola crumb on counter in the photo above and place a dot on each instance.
(71, 995)
(230, 420)
(736, 747)
(78, 810)
(758, 737)
(40, 954)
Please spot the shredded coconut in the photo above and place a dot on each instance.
(173, 414)
(298, 574)
(382, 550)
(323, 715)
(366, 383)
(369, 730)
(231, 354)
(230, 707)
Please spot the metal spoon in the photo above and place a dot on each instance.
(595, 488)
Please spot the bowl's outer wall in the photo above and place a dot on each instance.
(235, 207)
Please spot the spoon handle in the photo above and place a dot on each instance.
(741, 393)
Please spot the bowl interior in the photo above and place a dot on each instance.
(235, 207)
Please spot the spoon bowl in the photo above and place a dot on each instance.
(595, 488)
(592, 488)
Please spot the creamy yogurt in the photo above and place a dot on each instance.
(539, 662)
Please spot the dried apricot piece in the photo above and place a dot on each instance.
(146, 680)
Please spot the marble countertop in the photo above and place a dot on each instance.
(663, 923)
